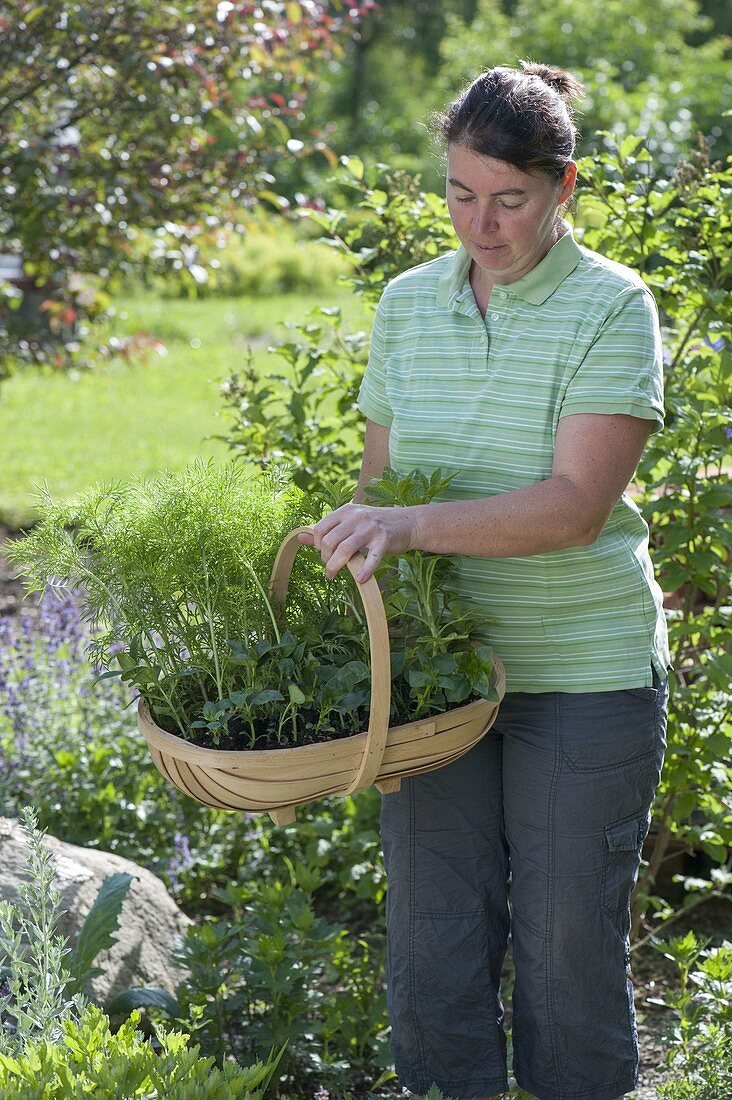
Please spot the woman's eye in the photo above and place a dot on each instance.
(510, 206)
(468, 198)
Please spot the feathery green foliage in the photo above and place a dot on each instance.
(171, 567)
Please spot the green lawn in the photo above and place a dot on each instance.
(135, 418)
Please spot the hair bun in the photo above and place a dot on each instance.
(565, 84)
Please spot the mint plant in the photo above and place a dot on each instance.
(439, 658)
(700, 1044)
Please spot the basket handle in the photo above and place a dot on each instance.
(373, 605)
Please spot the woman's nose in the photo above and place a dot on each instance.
(485, 221)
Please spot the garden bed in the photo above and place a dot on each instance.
(653, 975)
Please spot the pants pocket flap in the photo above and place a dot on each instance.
(628, 835)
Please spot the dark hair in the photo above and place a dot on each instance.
(523, 117)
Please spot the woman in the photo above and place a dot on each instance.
(532, 367)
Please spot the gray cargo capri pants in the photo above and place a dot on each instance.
(537, 831)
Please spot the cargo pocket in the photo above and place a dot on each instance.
(621, 859)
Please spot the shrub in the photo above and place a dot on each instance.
(675, 233)
(87, 1058)
(267, 258)
(700, 1045)
(275, 973)
(303, 412)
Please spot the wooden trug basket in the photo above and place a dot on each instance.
(275, 781)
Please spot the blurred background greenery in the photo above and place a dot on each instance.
(165, 298)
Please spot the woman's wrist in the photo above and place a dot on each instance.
(418, 517)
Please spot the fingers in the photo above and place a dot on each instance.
(340, 535)
(352, 528)
(373, 557)
(342, 552)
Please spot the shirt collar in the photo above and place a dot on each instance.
(534, 287)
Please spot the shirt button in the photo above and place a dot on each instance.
(502, 294)
(495, 316)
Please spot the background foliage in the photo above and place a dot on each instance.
(660, 70)
(131, 116)
(135, 141)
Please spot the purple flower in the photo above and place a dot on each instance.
(183, 848)
(181, 859)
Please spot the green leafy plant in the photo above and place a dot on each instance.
(700, 1045)
(300, 414)
(355, 1019)
(437, 656)
(87, 1058)
(174, 572)
(386, 224)
(275, 973)
(44, 977)
(97, 931)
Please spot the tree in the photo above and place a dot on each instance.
(378, 94)
(128, 115)
(643, 76)
(661, 72)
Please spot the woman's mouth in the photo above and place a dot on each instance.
(488, 248)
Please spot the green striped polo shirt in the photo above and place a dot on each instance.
(482, 398)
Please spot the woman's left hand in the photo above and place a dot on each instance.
(377, 532)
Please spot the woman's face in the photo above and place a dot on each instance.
(505, 218)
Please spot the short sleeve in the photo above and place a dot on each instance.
(622, 371)
(372, 396)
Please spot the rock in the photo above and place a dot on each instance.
(151, 925)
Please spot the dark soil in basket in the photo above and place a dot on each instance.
(238, 736)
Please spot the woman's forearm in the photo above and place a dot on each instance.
(594, 459)
(536, 519)
(550, 515)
